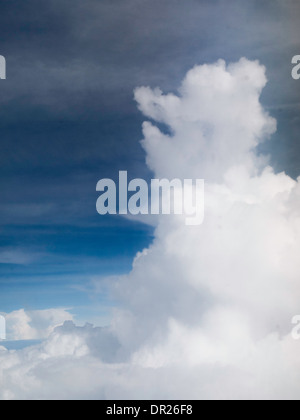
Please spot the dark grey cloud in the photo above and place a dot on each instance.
(64, 56)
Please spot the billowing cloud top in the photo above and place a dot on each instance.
(206, 311)
(215, 122)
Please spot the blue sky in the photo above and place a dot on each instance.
(68, 119)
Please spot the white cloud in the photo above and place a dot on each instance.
(206, 311)
(34, 325)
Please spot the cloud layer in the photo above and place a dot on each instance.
(206, 311)
(34, 325)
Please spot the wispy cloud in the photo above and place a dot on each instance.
(18, 256)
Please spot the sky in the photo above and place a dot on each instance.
(68, 119)
(71, 113)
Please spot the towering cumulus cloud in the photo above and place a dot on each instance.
(206, 311)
